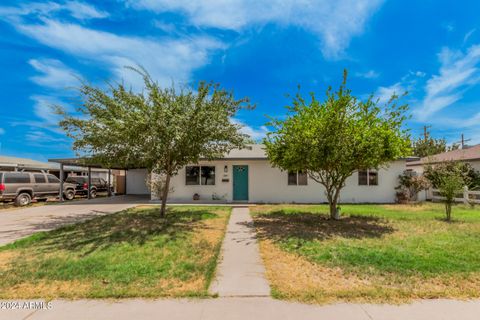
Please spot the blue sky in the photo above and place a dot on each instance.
(260, 49)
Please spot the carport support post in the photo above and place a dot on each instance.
(109, 188)
(89, 182)
(61, 183)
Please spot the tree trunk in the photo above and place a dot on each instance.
(448, 210)
(165, 196)
(332, 197)
(333, 201)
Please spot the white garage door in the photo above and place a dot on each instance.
(136, 181)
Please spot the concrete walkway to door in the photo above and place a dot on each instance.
(241, 272)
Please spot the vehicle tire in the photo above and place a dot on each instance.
(69, 195)
(23, 199)
(93, 194)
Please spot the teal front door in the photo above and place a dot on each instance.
(240, 183)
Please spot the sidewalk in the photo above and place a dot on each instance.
(240, 272)
(245, 308)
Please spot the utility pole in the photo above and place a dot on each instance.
(425, 132)
(462, 141)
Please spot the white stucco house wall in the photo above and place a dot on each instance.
(247, 176)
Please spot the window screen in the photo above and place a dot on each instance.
(367, 178)
(297, 178)
(362, 177)
(17, 177)
(292, 178)
(192, 175)
(302, 178)
(39, 178)
(208, 175)
(372, 178)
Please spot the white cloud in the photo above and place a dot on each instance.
(54, 74)
(43, 109)
(82, 10)
(40, 136)
(384, 94)
(166, 59)
(468, 35)
(256, 133)
(334, 22)
(458, 72)
(2, 131)
(76, 9)
(370, 74)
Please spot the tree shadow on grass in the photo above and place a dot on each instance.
(129, 226)
(280, 225)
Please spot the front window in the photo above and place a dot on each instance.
(297, 178)
(192, 175)
(208, 175)
(200, 175)
(52, 179)
(368, 177)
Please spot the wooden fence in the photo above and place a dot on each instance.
(467, 196)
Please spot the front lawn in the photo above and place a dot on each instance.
(132, 253)
(377, 253)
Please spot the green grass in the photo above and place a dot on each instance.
(133, 253)
(398, 248)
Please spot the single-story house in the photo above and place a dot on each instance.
(246, 175)
(469, 154)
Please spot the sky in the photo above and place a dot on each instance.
(258, 49)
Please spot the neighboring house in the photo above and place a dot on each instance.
(467, 154)
(247, 175)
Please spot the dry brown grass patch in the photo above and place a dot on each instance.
(293, 277)
(47, 290)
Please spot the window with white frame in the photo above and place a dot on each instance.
(200, 175)
(368, 177)
(297, 178)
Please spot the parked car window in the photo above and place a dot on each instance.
(75, 179)
(39, 178)
(192, 175)
(52, 179)
(208, 175)
(17, 177)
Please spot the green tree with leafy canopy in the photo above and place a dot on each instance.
(429, 146)
(331, 139)
(160, 129)
(449, 178)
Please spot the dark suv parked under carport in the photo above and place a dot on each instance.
(81, 185)
(22, 187)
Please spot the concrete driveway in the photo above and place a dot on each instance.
(18, 223)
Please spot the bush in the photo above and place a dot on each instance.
(449, 178)
(410, 184)
(470, 176)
